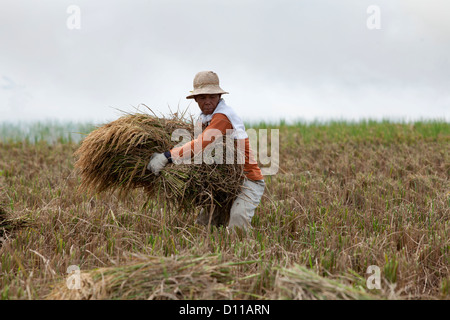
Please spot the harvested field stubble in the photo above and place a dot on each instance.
(340, 203)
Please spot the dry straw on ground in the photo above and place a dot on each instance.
(153, 278)
(300, 283)
(115, 157)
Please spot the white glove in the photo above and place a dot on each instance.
(157, 162)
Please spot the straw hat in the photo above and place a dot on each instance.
(206, 82)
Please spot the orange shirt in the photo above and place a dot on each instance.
(219, 122)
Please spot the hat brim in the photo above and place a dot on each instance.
(205, 91)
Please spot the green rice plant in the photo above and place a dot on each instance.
(44, 131)
(390, 269)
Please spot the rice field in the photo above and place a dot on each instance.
(348, 195)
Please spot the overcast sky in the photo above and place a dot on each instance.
(290, 59)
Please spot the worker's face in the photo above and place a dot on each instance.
(207, 102)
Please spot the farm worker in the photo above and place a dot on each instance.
(217, 115)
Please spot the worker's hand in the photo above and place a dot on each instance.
(157, 162)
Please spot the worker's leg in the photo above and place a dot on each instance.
(247, 201)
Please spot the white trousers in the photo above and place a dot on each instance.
(244, 205)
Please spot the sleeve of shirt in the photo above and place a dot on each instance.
(219, 124)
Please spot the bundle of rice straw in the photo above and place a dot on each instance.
(115, 157)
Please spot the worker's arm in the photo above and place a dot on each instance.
(219, 124)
